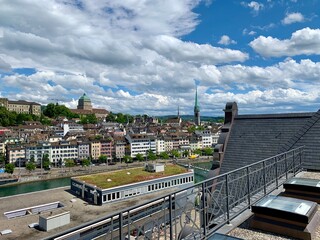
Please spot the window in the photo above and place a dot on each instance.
(104, 198)
(109, 197)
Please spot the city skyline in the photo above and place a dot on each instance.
(146, 57)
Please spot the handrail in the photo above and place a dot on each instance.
(220, 200)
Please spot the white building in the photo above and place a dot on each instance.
(160, 145)
(141, 144)
(206, 138)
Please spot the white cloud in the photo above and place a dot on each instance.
(129, 56)
(247, 32)
(226, 40)
(4, 65)
(293, 18)
(302, 42)
(177, 50)
(255, 6)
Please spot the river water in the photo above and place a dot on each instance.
(27, 187)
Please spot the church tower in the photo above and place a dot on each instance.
(196, 110)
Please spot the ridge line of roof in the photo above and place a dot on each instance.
(280, 115)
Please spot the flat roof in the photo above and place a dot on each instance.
(128, 176)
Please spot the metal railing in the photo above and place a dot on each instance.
(198, 211)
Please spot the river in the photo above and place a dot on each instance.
(27, 187)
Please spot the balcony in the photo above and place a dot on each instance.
(200, 211)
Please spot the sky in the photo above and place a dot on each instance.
(149, 56)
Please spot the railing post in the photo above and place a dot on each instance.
(293, 164)
(120, 225)
(227, 199)
(204, 215)
(170, 216)
(301, 152)
(286, 164)
(248, 187)
(277, 180)
(264, 178)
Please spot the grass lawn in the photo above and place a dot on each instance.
(122, 177)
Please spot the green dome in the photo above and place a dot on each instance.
(85, 98)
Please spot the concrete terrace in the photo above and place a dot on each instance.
(80, 211)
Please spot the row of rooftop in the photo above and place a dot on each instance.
(71, 140)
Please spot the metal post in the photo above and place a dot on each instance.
(170, 217)
(120, 225)
(227, 199)
(294, 165)
(286, 164)
(248, 187)
(264, 178)
(277, 180)
(204, 215)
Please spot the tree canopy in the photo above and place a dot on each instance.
(119, 118)
(9, 168)
(9, 118)
(55, 110)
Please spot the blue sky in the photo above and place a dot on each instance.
(144, 57)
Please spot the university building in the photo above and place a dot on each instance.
(21, 106)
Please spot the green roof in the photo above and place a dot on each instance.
(84, 97)
(121, 177)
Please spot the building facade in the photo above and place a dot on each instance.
(98, 196)
(15, 154)
(141, 144)
(21, 106)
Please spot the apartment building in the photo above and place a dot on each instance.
(15, 154)
(106, 148)
(141, 144)
(95, 147)
(83, 150)
(120, 147)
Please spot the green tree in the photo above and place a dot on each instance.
(45, 121)
(175, 153)
(55, 110)
(102, 159)
(197, 151)
(151, 156)
(50, 110)
(208, 151)
(164, 155)
(139, 157)
(45, 162)
(30, 166)
(127, 159)
(9, 168)
(2, 159)
(85, 162)
(69, 163)
(90, 118)
(185, 153)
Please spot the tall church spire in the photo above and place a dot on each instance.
(196, 109)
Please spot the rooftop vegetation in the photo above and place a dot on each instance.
(122, 177)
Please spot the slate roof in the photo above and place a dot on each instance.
(256, 137)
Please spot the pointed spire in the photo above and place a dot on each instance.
(178, 111)
(196, 98)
